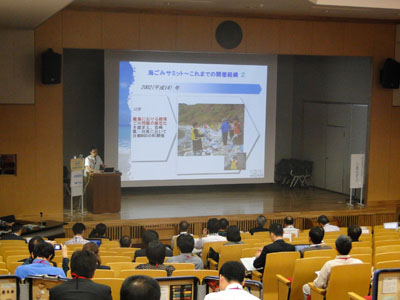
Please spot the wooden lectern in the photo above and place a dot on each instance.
(103, 193)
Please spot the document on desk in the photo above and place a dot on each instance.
(248, 263)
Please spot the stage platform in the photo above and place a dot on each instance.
(162, 208)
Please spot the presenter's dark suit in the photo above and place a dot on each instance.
(277, 246)
(12, 236)
(80, 289)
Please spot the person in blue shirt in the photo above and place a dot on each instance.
(225, 131)
(43, 253)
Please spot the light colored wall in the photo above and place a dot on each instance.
(35, 132)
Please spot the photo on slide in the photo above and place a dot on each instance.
(210, 129)
(235, 161)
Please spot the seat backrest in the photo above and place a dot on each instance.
(16, 252)
(304, 272)
(206, 248)
(384, 249)
(390, 264)
(142, 260)
(320, 253)
(361, 250)
(118, 266)
(3, 265)
(391, 242)
(109, 253)
(14, 258)
(181, 266)
(263, 235)
(108, 259)
(380, 257)
(230, 252)
(361, 244)
(100, 273)
(249, 252)
(348, 278)
(114, 283)
(365, 258)
(4, 272)
(200, 274)
(13, 265)
(150, 273)
(277, 263)
(175, 250)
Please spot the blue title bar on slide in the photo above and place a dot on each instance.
(218, 88)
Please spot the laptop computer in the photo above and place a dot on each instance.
(108, 170)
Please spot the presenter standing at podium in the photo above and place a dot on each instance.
(93, 162)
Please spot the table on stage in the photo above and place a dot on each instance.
(103, 194)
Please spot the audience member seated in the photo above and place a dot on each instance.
(95, 249)
(261, 221)
(155, 252)
(125, 241)
(289, 226)
(149, 236)
(99, 232)
(323, 222)
(43, 253)
(231, 280)
(140, 288)
(315, 237)
(278, 245)
(354, 233)
(15, 234)
(36, 240)
(223, 225)
(183, 228)
(212, 236)
(78, 230)
(5, 224)
(343, 247)
(185, 243)
(233, 236)
(83, 266)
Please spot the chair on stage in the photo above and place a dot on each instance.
(344, 279)
(291, 288)
(276, 263)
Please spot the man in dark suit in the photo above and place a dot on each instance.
(149, 236)
(315, 237)
(15, 234)
(278, 245)
(83, 266)
(261, 220)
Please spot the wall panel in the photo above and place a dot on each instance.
(295, 37)
(358, 40)
(158, 32)
(262, 36)
(327, 38)
(120, 31)
(194, 33)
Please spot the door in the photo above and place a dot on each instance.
(335, 158)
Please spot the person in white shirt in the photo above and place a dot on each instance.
(289, 228)
(93, 162)
(323, 222)
(231, 280)
(78, 229)
(343, 247)
(183, 229)
(210, 234)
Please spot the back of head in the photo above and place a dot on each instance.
(233, 234)
(83, 263)
(213, 225)
(223, 224)
(101, 229)
(276, 229)
(125, 241)
(140, 288)
(316, 234)
(155, 252)
(92, 247)
(44, 249)
(183, 226)
(343, 244)
(78, 228)
(323, 220)
(16, 227)
(149, 236)
(185, 243)
(288, 220)
(33, 242)
(261, 220)
(354, 232)
(233, 271)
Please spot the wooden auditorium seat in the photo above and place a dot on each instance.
(389, 264)
(118, 266)
(200, 274)
(114, 283)
(181, 266)
(109, 259)
(321, 253)
(227, 253)
(151, 273)
(206, 248)
(386, 256)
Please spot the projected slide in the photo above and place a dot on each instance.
(191, 121)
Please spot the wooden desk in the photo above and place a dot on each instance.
(103, 193)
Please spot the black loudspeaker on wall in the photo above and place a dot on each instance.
(390, 74)
(51, 67)
(229, 34)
